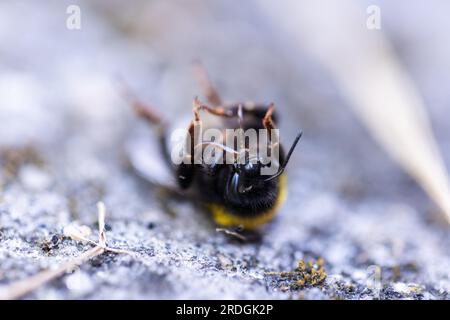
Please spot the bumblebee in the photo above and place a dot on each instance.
(237, 194)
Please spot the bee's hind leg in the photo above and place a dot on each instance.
(142, 109)
(205, 83)
(147, 113)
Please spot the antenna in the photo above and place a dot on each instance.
(283, 166)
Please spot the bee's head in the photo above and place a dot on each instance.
(246, 181)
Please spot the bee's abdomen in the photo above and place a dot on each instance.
(250, 214)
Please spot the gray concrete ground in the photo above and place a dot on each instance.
(63, 128)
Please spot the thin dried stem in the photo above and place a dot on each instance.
(23, 287)
(101, 224)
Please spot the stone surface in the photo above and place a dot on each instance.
(63, 127)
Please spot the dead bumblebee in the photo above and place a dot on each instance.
(232, 183)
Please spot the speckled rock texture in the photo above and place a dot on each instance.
(64, 125)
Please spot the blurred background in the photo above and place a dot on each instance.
(355, 195)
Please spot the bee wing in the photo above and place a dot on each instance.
(145, 155)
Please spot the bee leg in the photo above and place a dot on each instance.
(146, 112)
(233, 232)
(185, 174)
(218, 111)
(142, 109)
(270, 126)
(205, 83)
(241, 234)
(267, 121)
(150, 115)
(273, 134)
(186, 170)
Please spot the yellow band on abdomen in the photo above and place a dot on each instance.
(226, 219)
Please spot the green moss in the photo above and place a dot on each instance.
(307, 274)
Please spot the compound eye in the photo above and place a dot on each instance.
(252, 169)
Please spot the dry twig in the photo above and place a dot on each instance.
(23, 287)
